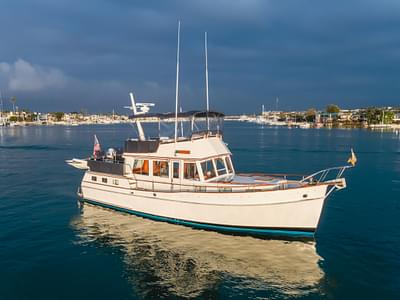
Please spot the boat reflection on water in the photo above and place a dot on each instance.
(170, 260)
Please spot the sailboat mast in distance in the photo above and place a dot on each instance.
(1, 106)
(177, 82)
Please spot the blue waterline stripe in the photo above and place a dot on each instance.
(221, 228)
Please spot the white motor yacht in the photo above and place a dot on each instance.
(190, 179)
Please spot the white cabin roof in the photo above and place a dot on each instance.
(194, 149)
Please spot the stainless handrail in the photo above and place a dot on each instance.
(323, 174)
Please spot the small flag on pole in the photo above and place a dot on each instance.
(96, 147)
(352, 159)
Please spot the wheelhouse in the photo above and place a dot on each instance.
(198, 154)
(207, 170)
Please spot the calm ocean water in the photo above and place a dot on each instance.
(50, 248)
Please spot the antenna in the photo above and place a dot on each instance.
(133, 107)
(206, 56)
(177, 82)
(138, 124)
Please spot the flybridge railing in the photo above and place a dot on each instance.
(190, 125)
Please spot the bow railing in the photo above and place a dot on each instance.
(326, 175)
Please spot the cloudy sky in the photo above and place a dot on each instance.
(72, 55)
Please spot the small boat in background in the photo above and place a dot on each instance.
(304, 125)
(78, 163)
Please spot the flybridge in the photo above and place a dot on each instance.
(192, 124)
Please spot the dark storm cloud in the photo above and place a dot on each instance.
(89, 54)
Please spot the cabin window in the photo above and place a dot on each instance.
(175, 169)
(208, 169)
(94, 178)
(104, 180)
(115, 182)
(141, 166)
(229, 164)
(160, 168)
(219, 162)
(190, 171)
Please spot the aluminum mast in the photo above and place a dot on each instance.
(208, 103)
(177, 83)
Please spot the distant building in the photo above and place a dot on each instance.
(396, 117)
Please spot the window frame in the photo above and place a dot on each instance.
(229, 165)
(141, 167)
(154, 165)
(222, 159)
(196, 171)
(172, 169)
(204, 172)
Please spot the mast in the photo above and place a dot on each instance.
(208, 103)
(177, 83)
(1, 107)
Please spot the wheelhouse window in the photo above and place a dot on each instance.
(221, 169)
(160, 168)
(141, 166)
(208, 169)
(229, 164)
(190, 171)
(115, 182)
(175, 169)
(104, 180)
(94, 178)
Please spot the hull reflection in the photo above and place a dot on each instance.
(170, 260)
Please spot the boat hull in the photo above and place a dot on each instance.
(291, 212)
(291, 232)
